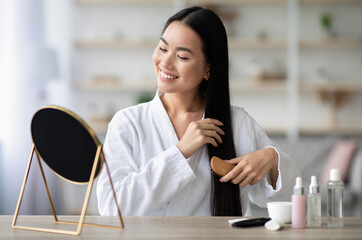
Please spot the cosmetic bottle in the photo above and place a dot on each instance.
(298, 205)
(335, 199)
(314, 209)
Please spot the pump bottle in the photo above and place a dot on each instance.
(298, 205)
(314, 209)
(335, 199)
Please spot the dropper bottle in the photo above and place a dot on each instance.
(298, 205)
(314, 209)
(335, 199)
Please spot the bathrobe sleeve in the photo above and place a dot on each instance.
(249, 136)
(142, 186)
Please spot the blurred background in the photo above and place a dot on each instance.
(295, 66)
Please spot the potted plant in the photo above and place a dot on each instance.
(326, 24)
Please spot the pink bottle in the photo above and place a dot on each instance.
(298, 205)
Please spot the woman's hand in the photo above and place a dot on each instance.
(199, 133)
(252, 167)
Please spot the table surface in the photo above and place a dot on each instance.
(172, 228)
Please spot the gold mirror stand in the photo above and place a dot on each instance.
(85, 204)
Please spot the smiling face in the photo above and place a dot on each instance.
(179, 61)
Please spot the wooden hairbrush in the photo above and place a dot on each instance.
(220, 167)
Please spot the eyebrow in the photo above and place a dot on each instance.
(178, 48)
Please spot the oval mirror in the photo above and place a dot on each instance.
(65, 143)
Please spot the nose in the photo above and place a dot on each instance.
(167, 61)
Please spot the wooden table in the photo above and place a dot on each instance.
(173, 228)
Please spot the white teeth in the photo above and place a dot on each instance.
(167, 76)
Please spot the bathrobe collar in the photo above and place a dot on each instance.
(164, 120)
(158, 105)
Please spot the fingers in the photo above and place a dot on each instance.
(212, 121)
(212, 141)
(246, 181)
(233, 161)
(198, 133)
(213, 134)
(240, 176)
(210, 130)
(211, 126)
(233, 174)
(250, 169)
(208, 124)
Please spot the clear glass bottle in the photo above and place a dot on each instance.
(314, 209)
(335, 199)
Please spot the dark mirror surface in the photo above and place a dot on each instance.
(65, 143)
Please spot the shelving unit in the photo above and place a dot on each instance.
(333, 87)
(116, 44)
(234, 44)
(323, 131)
(336, 55)
(278, 86)
(235, 87)
(242, 43)
(338, 43)
(331, 2)
(120, 87)
(238, 2)
(294, 46)
(122, 2)
(183, 2)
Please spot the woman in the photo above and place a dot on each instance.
(159, 151)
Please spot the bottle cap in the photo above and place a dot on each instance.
(298, 188)
(335, 175)
(313, 187)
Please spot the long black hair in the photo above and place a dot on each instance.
(225, 197)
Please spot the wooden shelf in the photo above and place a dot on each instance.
(332, 43)
(99, 126)
(330, 2)
(212, 2)
(139, 87)
(236, 86)
(171, 2)
(318, 131)
(246, 86)
(274, 130)
(123, 2)
(234, 43)
(322, 130)
(236, 2)
(116, 44)
(332, 87)
(240, 43)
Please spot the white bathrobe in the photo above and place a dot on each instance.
(151, 177)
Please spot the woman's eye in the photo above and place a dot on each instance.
(162, 49)
(183, 58)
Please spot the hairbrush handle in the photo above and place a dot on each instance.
(220, 167)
